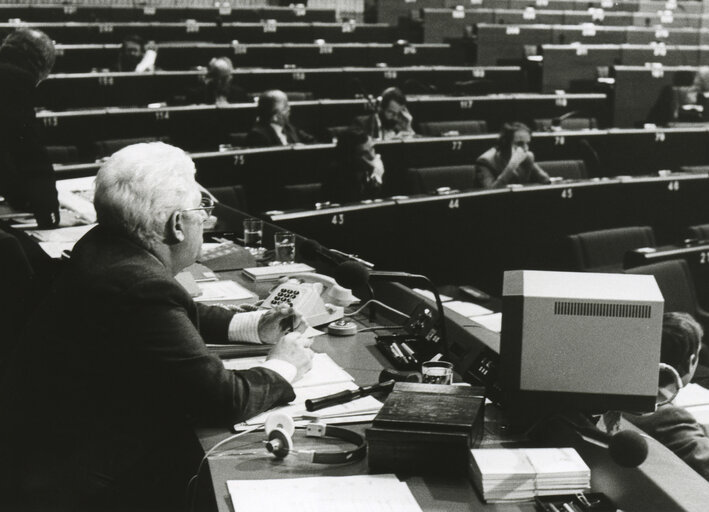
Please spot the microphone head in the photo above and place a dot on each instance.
(351, 274)
(628, 449)
(311, 249)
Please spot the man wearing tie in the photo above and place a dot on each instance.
(273, 126)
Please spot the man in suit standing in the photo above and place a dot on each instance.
(273, 126)
(114, 375)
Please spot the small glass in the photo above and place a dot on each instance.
(437, 372)
(253, 234)
(284, 245)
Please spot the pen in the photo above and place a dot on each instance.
(398, 356)
(346, 396)
(409, 353)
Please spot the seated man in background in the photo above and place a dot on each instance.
(26, 174)
(674, 426)
(115, 372)
(683, 101)
(510, 161)
(137, 55)
(357, 172)
(219, 87)
(392, 119)
(273, 126)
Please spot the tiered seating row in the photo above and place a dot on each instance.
(69, 91)
(203, 128)
(184, 56)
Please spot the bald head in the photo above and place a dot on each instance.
(701, 79)
(220, 68)
(273, 107)
(31, 50)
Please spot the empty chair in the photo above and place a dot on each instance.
(445, 128)
(107, 147)
(427, 179)
(335, 131)
(699, 169)
(302, 196)
(233, 196)
(698, 232)
(570, 123)
(567, 169)
(674, 278)
(63, 154)
(238, 139)
(605, 250)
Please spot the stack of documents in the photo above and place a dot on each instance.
(504, 475)
(324, 378)
(373, 493)
(478, 314)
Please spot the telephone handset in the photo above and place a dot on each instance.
(317, 297)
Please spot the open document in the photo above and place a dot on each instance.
(325, 378)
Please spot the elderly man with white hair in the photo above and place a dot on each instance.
(115, 373)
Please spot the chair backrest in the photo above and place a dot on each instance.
(567, 169)
(108, 147)
(63, 154)
(427, 179)
(303, 195)
(443, 128)
(699, 231)
(605, 250)
(570, 123)
(699, 169)
(238, 139)
(233, 195)
(675, 281)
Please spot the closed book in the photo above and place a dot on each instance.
(426, 429)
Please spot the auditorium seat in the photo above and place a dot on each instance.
(428, 179)
(104, 148)
(699, 232)
(63, 154)
(570, 123)
(238, 139)
(444, 128)
(604, 250)
(698, 169)
(567, 169)
(302, 196)
(675, 280)
(233, 196)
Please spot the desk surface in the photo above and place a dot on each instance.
(662, 483)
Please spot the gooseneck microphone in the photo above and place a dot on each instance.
(311, 249)
(352, 274)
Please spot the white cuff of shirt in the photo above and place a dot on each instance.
(244, 327)
(282, 368)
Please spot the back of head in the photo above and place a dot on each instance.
(347, 142)
(140, 186)
(507, 134)
(681, 338)
(268, 104)
(391, 94)
(220, 68)
(701, 79)
(31, 50)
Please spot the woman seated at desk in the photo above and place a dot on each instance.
(510, 161)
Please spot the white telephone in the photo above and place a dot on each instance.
(317, 297)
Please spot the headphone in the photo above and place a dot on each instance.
(279, 431)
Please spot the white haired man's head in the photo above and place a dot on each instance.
(139, 187)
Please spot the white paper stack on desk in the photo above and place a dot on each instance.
(518, 474)
(695, 399)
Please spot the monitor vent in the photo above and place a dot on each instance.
(601, 309)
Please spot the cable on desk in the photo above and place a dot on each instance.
(380, 328)
(379, 303)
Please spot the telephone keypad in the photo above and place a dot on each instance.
(285, 295)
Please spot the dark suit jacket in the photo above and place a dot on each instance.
(264, 135)
(114, 376)
(26, 175)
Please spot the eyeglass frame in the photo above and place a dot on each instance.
(206, 208)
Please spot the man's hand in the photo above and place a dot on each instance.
(294, 349)
(278, 322)
(518, 156)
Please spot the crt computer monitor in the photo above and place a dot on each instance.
(579, 342)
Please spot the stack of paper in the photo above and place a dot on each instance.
(695, 399)
(324, 378)
(372, 493)
(503, 474)
(477, 314)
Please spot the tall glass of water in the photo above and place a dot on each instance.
(253, 234)
(284, 245)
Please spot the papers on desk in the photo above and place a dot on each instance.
(223, 291)
(478, 314)
(373, 493)
(69, 235)
(516, 474)
(429, 295)
(491, 322)
(695, 399)
(324, 378)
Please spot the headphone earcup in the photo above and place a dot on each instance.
(279, 420)
(280, 443)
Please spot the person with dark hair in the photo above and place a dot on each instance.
(273, 126)
(136, 55)
(671, 425)
(27, 178)
(357, 172)
(510, 161)
(391, 120)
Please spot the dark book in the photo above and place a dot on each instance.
(426, 429)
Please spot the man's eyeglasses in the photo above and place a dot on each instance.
(206, 205)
